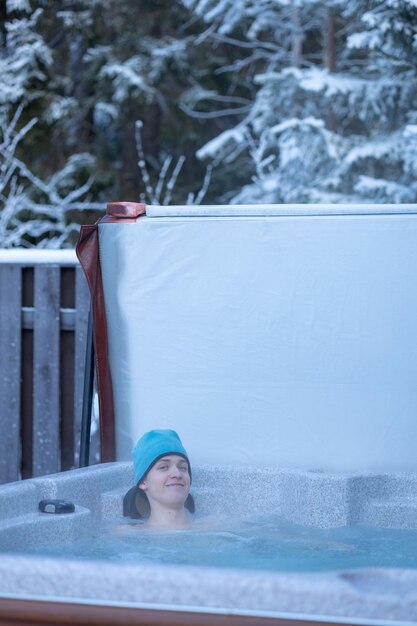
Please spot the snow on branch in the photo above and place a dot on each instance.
(161, 193)
(34, 212)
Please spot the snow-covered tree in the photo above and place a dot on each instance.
(24, 55)
(333, 118)
(287, 100)
(115, 63)
(86, 71)
(34, 212)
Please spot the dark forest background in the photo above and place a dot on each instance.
(192, 101)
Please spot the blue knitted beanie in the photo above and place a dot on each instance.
(151, 446)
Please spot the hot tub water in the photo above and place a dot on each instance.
(262, 543)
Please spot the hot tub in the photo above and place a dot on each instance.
(311, 499)
(280, 342)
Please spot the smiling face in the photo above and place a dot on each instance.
(167, 483)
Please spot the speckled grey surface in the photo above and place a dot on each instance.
(386, 594)
(310, 498)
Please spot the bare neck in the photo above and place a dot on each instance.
(162, 517)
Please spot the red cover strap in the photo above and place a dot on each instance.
(87, 250)
(88, 255)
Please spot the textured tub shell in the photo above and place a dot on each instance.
(311, 498)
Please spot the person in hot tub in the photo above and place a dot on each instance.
(161, 496)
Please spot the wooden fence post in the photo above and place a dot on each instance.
(46, 408)
(10, 353)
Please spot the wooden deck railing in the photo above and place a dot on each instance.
(44, 304)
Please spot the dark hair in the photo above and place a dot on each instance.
(136, 504)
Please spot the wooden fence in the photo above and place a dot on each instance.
(44, 304)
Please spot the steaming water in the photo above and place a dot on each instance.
(267, 543)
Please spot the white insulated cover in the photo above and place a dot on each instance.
(281, 336)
